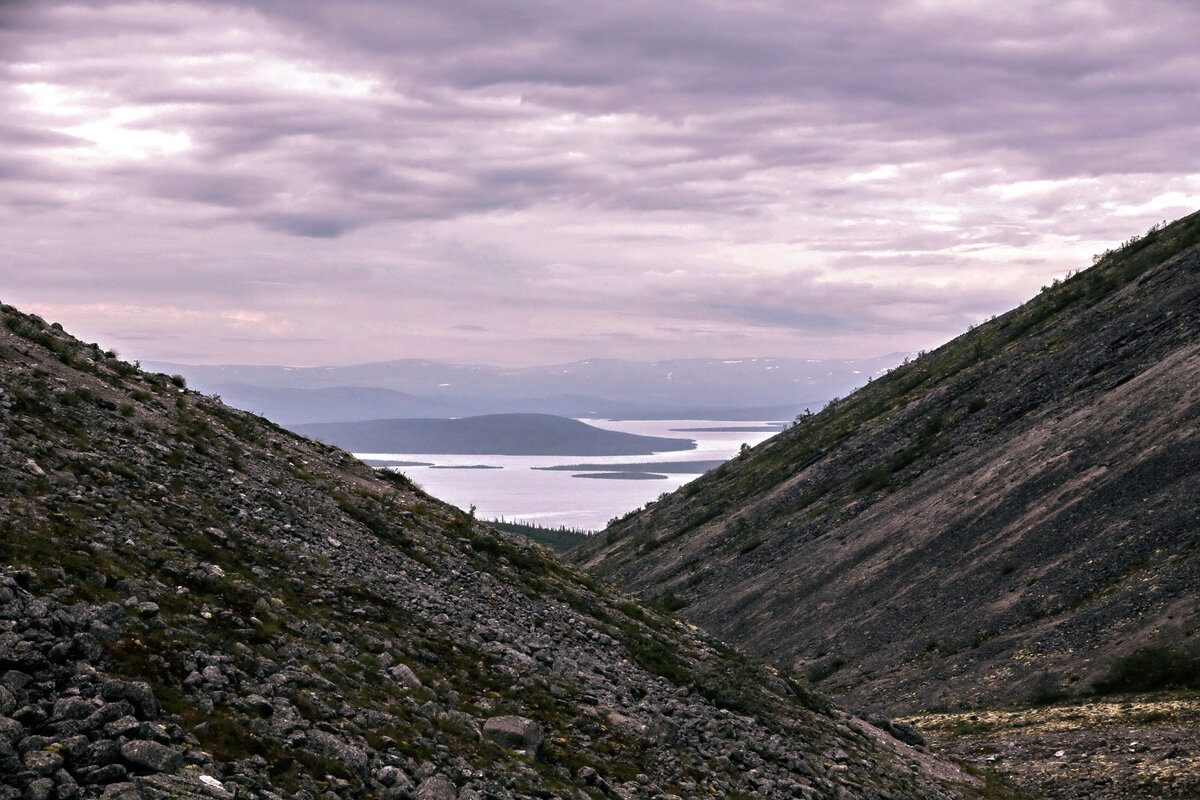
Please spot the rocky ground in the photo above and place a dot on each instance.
(197, 603)
(1135, 748)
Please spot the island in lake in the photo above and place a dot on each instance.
(669, 467)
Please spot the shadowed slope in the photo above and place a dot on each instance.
(1000, 518)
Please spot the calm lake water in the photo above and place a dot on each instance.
(518, 492)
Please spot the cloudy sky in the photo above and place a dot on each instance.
(525, 181)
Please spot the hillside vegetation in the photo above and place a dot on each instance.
(1011, 517)
(197, 603)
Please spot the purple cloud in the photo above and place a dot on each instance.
(674, 179)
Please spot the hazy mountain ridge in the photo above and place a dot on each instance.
(753, 388)
(492, 434)
(1005, 516)
(195, 602)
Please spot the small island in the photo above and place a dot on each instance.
(622, 476)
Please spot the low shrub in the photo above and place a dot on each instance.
(823, 669)
(1152, 669)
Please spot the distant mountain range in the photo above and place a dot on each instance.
(744, 389)
(490, 434)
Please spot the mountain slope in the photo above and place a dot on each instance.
(197, 603)
(1001, 518)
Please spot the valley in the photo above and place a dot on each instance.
(196, 602)
(986, 554)
(599, 401)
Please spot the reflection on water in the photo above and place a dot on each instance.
(515, 491)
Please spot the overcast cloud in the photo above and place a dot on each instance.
(531, 182)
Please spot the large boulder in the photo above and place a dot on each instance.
(151, 755)
(403, 675)
(516, 733)
(436, 788)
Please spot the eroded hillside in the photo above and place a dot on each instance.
(1001, 519)
(195, 602)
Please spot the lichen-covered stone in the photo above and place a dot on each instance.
(436, 788)
(517, 733)
(151, 755)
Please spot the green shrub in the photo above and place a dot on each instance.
(1046, 689)
(1151, 669)
(670, 602)
(873, 479)
(823, 669)
(656, 656)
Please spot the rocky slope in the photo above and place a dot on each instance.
(197, 603)
(1001, 519)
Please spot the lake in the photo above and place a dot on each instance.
(516, 490)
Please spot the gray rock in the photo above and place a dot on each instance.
(122, 791)
(65, 787)
(100, 753)
(900, 730)
(329, 745)
(138, 693)
(907, 733)
(39, 789)
(517, 733)
(404, 676)
(43, 762)
(436, 788)
(72, 747)
(152, 755)
(10, 762)
(86, 647)
(72, 708)
(125, 726)
(393, 776)
(109, 773)
(183, 785)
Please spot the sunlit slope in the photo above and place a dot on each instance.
(1005, 515)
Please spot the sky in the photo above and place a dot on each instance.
(533, 182)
